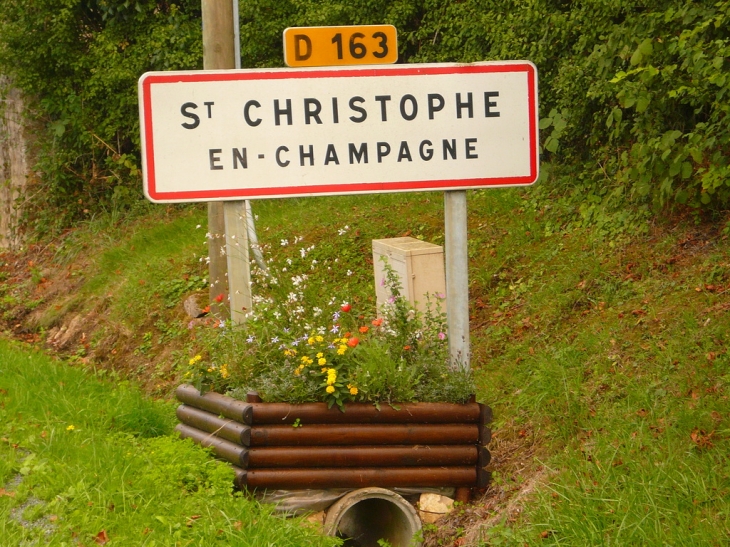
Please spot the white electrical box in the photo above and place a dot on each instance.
(419, 266)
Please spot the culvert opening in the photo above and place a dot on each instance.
(364, 517)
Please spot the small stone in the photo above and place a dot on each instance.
(316, 518)
(192, 308)
(432, 507)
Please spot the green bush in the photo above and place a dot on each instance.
(633, 94)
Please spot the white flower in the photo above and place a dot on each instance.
(349, 272)
(284, 242)
(197, 227)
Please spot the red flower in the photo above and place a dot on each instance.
(346, 308)
(377, 322)
(406, 348)
(219, 298)
(352, 342)
(364, 329)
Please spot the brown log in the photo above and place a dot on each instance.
(363, 456)
(363, 413)
(385, 477)
(485, 436)
(216, 403)
(253, 397)
(240, 479)
(227, 429)
(364, 434)
(483, 477)
(485, 414)
(484, 457)
(462, 495)
(225, 450)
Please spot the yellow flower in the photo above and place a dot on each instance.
(194, 360)
(70, 428)
(310, 341)
(322, 361)
(210, 369)
(341, 350)
(331, 376)
(330, 389)
(224, 371)
(320, 355)
(353, 390)
(319, 338)
(324, 369)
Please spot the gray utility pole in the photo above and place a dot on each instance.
(457, 277)
(227, 248)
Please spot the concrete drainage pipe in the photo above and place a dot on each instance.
(365, 516)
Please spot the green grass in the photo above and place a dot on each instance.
(84, 457)
(603, 356)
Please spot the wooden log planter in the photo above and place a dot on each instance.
(301, 446)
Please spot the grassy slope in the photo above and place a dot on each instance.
(81, 459)
(605, 359)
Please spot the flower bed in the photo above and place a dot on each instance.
(331, 352)
(301, 446)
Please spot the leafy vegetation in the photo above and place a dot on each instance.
(296, 346)
(633, 94)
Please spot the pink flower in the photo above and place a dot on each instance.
(442, 336)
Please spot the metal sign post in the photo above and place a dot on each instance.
(457, 277)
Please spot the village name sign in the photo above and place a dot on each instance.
(243, 134)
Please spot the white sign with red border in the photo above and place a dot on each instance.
(246, 134)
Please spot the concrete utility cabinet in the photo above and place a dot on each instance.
(418, 264)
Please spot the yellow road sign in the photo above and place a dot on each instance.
(338, 46)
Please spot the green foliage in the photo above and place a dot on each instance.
(633, 94)
(80, 60)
